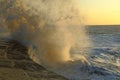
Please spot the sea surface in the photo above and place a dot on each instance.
(104, 58)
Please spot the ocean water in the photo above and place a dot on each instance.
(104, 58)
(47, 36)
(84, 52)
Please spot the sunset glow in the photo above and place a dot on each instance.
(100, 12)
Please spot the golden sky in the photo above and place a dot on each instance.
(100, 12)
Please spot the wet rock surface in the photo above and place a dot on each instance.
(15, 64)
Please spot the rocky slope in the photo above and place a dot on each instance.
(15, 64)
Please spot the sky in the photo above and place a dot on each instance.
(100, 12)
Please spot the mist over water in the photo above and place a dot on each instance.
(51, 29)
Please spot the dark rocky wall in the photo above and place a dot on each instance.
(15, 64)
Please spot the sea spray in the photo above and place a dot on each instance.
(49, 28)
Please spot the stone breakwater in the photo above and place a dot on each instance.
(15, 64)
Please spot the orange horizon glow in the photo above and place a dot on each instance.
(100, 12)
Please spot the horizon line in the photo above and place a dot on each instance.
(102, 24)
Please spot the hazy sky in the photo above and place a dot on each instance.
(100, 11)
